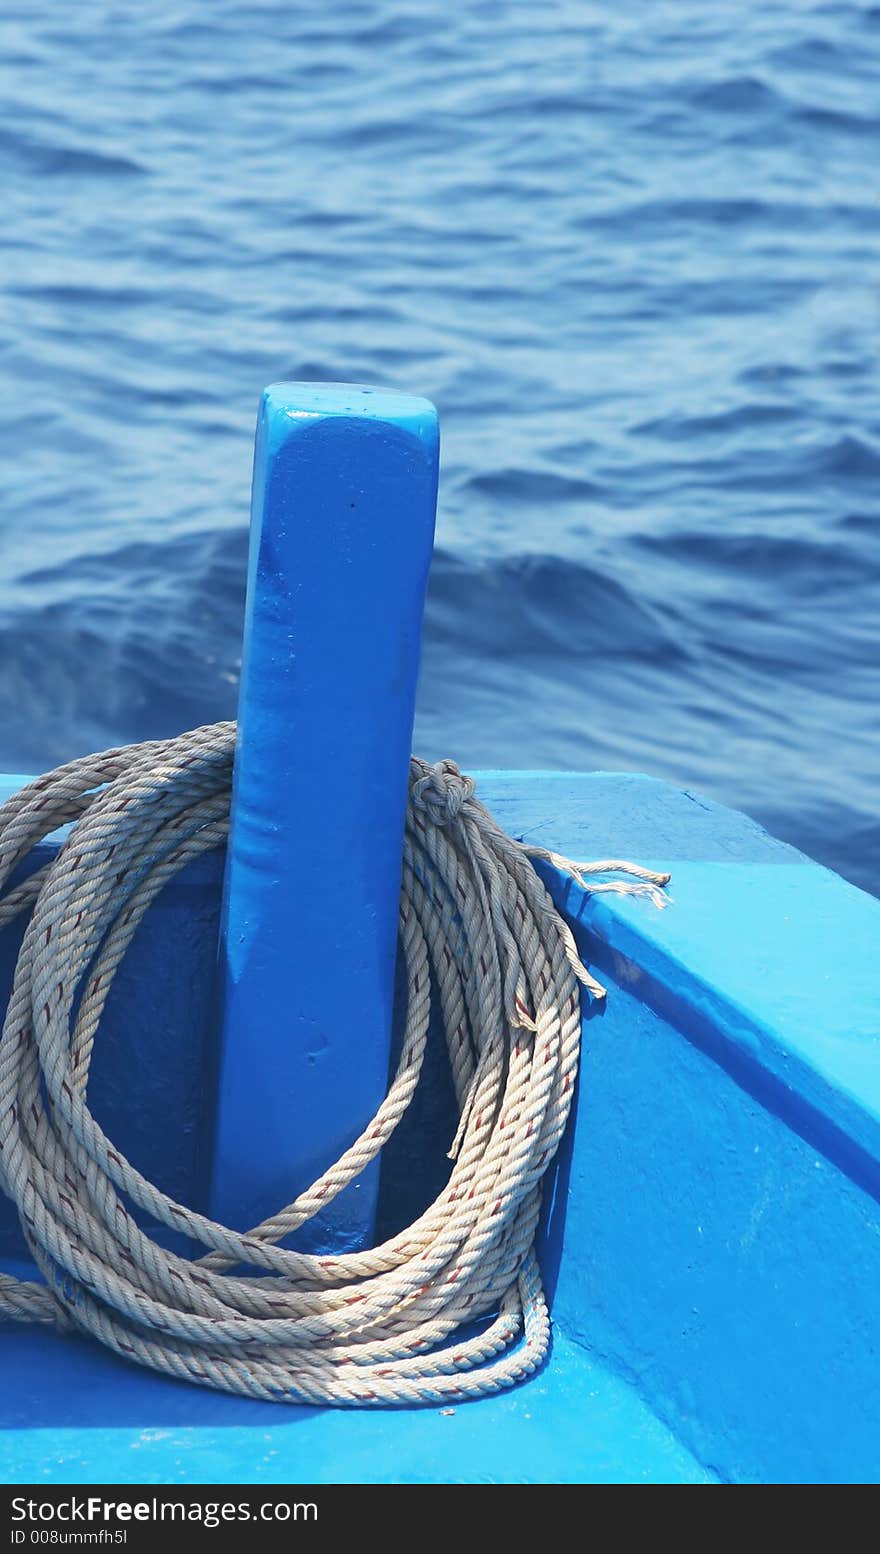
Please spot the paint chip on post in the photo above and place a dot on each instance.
(344, 498)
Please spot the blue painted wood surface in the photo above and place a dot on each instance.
(577, 1422)
(715, 1229)
(712, 1241)
(342, 525)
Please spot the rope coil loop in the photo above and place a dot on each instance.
(478, 934)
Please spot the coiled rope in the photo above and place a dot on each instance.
(478, 931)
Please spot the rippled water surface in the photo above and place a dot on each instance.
(631, 251)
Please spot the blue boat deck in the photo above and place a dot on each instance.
(101, 1420)
(712, 1237)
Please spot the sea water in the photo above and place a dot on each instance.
(630, 250)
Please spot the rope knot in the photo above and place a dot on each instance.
(440, 791)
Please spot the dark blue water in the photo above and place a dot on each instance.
(631, 251)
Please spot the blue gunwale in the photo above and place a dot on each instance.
(770, 957)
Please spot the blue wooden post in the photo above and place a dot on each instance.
(344, 496)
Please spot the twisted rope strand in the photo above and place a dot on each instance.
(478, 932)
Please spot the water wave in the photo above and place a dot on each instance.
(631, 253)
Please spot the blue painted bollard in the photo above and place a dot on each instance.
(344, 496)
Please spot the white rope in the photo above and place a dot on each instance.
(478, 931)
